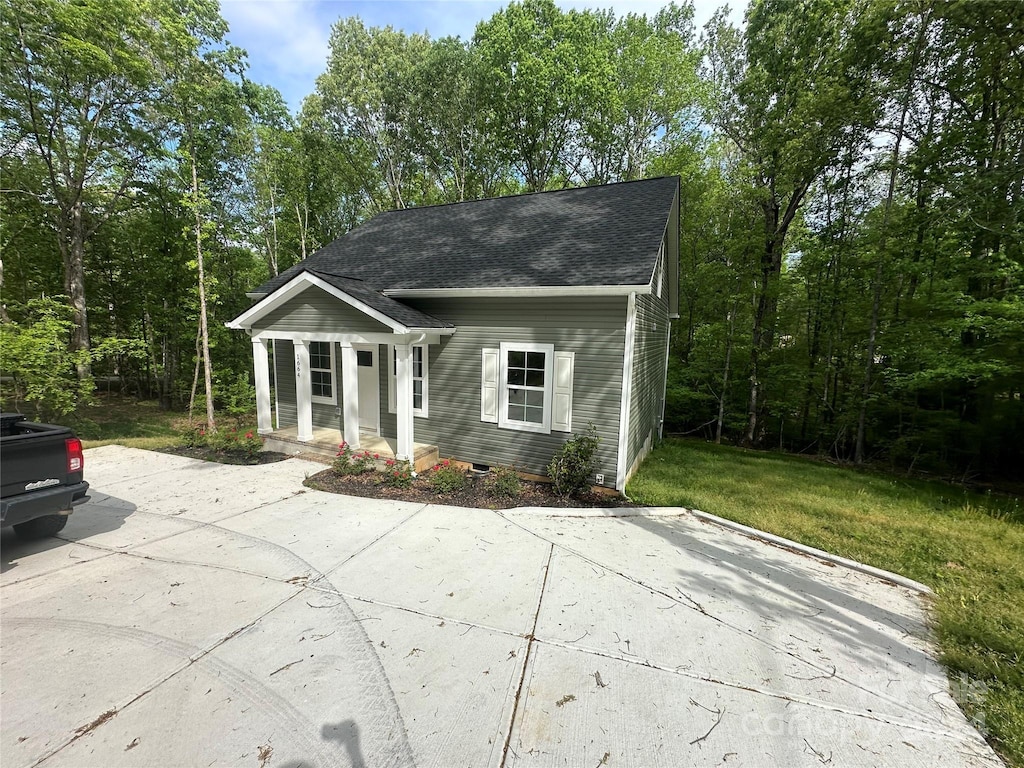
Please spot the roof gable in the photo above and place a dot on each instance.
(575, 238)
(389, 314)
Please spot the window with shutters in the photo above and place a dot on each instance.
(527, 387)
(321, 372)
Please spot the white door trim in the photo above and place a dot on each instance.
(375, 349)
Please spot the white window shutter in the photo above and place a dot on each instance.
(561, 406)
(489, 386)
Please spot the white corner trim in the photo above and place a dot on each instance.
(539, 291)
(627, 393)
(277, 395)
(664, 388)
(297, 285)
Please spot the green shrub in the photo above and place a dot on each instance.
(396, 474)
(194, 437)
(348, 462)
(222, 440)
(234, 395)
(504, 482)
(446, 478)
(570, 467)
(251, 444)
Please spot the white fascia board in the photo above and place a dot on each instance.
(427, 337)
(432, 331)
(539, 291)
(297, 285)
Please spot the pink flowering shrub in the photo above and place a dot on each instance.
(348, 462)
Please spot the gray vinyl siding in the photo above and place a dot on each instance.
(284, 380)
(592, 327)
(316, 311)
(648, 389)
(324, 415)
(388, 420)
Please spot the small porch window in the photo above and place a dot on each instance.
(420, 381)
(321, 372)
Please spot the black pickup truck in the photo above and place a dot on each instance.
(40, 476)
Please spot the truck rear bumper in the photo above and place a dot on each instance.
(48, 501)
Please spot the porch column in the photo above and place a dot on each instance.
(261, 369)
(350, 393)
(403, 401)
(303, 391)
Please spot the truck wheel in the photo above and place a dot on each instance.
(50, 525)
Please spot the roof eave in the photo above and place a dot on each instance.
(537, 291)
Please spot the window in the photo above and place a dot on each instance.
(525, 386)
(419, 381)
(321, 372)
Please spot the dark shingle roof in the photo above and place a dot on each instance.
(590, 236)
(396, 310)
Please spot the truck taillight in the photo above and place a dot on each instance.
(75, 458)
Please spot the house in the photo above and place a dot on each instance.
(487, 330)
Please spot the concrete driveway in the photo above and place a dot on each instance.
(196, 614)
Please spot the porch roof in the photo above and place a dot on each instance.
(396, 310)
(401, 318)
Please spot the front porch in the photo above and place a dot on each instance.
(325, 442)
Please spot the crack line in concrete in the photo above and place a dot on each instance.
(61, 568)
(526, 660)
(795, 698)
(365, 547)
(335, 592)
(113, 712)
(691, 605)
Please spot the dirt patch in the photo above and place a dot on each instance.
(226, 457)
(476, 494)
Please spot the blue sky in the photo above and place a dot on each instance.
(287, 39)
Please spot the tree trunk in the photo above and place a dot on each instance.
(204, 332)
(74, 284)
(725, 379)
(764, 317)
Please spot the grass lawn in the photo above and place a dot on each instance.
(968, 547)
(136, 424)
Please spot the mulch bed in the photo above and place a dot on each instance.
(475, 494)
(227, 457)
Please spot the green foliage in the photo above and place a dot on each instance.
(234, 394)
(396, 474)
(247, 443)
(504, 482)
(445, 478)
(36, 355)
(348, 462)
(194, 437)
(570, 467)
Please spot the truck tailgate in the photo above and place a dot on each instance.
(35, 460)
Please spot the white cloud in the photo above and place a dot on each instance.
(286, 41)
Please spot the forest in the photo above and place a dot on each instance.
(851, 199)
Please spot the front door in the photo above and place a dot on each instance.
(369, 389)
